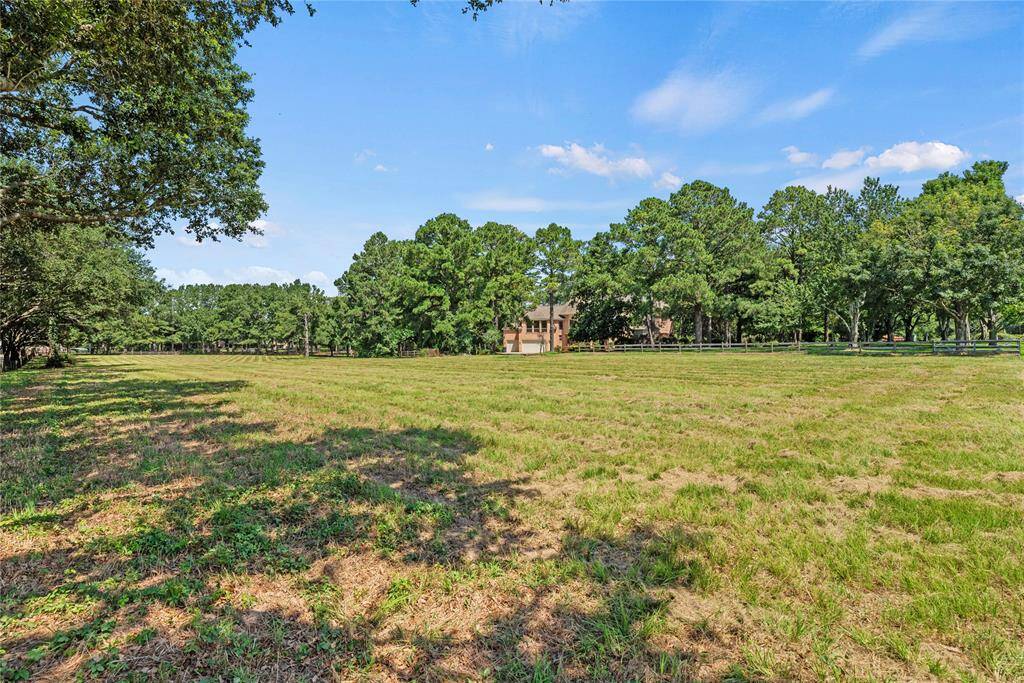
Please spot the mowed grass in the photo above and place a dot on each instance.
(588, 517)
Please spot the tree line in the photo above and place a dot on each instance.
(807, 266)
(812, 266)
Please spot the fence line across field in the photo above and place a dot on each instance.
(972, 347)
(937, 347)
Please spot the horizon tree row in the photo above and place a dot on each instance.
(812, 265)
(808, 266)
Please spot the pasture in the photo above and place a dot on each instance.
(609, 517)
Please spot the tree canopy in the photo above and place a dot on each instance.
(129, 115)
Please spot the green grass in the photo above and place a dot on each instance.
(626, 517)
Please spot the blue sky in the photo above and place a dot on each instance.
(378, 116)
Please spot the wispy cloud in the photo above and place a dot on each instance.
(187, 240)
(499, 201)
(693, 103)
(320, 279)
(844, 158)
(932, 22)
(489, 147)
(189, 276)
(668, 181)
(843, 180)
(262, 275)
(596, 160)
(796, 109)
(363, 155)
(267, 230)
(798, 157)
(715, 168)
(915, 156)
(519, 25)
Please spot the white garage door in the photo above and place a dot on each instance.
(531, 347)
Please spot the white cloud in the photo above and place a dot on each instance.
(318, 278)
(596, 160)
(498, 201)
(267, 229)
(668, 181)
(844, 180)
(363, 155)
(1020, 198)
(187, 240)
(255, 241)
(793, 110)
(191, 276)
(931, 22)
(381, 168)
(488, 147)
(262, 275)
(914, 156)
(693, 104)
(844, 158)
(795, 155)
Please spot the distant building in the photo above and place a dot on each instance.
(532, 334)
(662, 330)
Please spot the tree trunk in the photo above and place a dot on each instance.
(649, 324)
(963, 322)
(826, 326)
(698, 324)
(908, 328)
(993, 324)
(551, 323)
(305, 332)
(855, 323)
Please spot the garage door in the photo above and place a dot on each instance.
(531, 347)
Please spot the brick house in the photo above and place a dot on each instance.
(532, 334)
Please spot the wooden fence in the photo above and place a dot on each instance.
(968, 347)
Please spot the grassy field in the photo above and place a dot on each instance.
(626, 517)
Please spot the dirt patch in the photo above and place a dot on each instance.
(861, 485)
(674, 479)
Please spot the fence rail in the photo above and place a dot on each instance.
(938, 347)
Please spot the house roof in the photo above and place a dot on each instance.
(542, 312)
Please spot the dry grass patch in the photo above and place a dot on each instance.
(740, 517)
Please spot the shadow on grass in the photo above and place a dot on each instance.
(154, 500)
